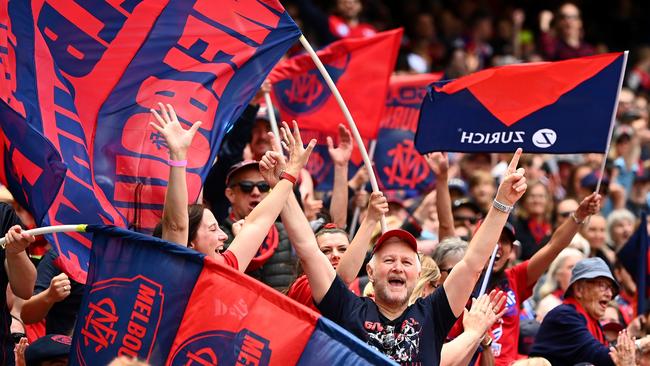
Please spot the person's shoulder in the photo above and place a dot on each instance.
(563, 313)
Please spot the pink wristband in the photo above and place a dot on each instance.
(177, 163)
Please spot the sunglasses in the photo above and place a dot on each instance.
(472, 220)
(565, 214)
(247, 186)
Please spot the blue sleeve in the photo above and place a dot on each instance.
(564, 334)
(340, 304)
(45, 272)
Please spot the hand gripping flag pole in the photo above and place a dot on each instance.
(357, 210)
(271, 112)
(80, 228)
(611, 125)
(348, 117)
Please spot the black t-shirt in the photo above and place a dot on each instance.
(62, 316)
(414, 338)
(8, 219)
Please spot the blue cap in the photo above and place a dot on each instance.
(591, 268)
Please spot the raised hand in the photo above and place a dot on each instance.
(438, 162)
(237, 226)
(485, 311)
(377, 207)
(298, 153)
(17, 240)
(19, 351)
(178, 139)
(624, 352)
(513, 185)
(59, 288)
(341, 154)
(311, 207)
(590, 205)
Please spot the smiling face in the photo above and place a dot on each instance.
(503, 253)
(209, 238)
(621, 232)
(536, 200)
(333, 246)
(594, 295)
(595, 231)
(394, 272)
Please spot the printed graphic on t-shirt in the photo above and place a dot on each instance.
(497, 331)
(399, 342)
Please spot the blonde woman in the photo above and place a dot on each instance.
(428, 281)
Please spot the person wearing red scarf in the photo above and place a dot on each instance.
(571, 333)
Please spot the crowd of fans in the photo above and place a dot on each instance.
(556, 292)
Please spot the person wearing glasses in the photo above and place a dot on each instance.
(195, 226)
(571, 333)
(566, 39)
(563, 211)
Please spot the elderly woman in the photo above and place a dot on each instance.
(620, 227)
(571, 333)
(556, 282)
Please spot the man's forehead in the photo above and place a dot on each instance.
(247, 173)
(394, 246)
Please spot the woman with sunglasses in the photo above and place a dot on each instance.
(196, 227)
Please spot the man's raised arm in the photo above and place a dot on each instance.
(461, 280)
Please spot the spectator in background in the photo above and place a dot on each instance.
(595, 231)
(52, 349)
(482, 188)
(620, 227)
(566, 39)
(563, 210)
(533, 226)
(639, 78)
(345, 21)
(551, 293)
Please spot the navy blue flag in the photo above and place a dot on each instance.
(549, 107)
(634, 257)
(170, 305)
(84, 75)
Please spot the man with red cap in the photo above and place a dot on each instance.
(408, 334)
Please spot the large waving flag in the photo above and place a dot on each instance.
(170, 305)
(635, 256)
(399, 165)
(360, 68)
(84, 75)
(548, 107)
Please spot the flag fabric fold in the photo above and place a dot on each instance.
(170, 305)
(548, 107)
(634, 256)
(85, 75)
(360, 68)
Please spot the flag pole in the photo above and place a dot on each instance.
(80, 228)
(613, 121)
(348, 117)
(271, 112)
(357, 210)
(488, 272)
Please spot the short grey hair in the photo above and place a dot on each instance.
(616, 216)
(448, 247)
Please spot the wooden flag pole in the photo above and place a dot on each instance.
(348, 117)
(613, 121)
(357, 210)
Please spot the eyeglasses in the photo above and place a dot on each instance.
(603, 285)
(472, 220)
(446, 270)
(569, 16)
(247, 186)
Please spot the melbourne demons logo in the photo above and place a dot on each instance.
(307, 92)
(221, 347)
(122, 317)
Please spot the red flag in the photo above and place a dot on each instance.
(360, 68)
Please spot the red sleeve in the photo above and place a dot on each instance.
(229, 259)
(301, 292)
(547, 45)
(518, 277)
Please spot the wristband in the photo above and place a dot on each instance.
(289, 177)
(177, 163)
(501, 206)
(575, 219)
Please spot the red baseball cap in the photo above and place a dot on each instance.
(403, 235)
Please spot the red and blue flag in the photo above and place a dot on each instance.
(548, 107)
(634, 256)
(360, 68)
(169, 305)
(399, 165)
(84, 75)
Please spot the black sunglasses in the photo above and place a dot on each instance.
(565, 214)
(472, 220)
(247, 186)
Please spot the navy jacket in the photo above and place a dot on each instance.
(564, 339)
